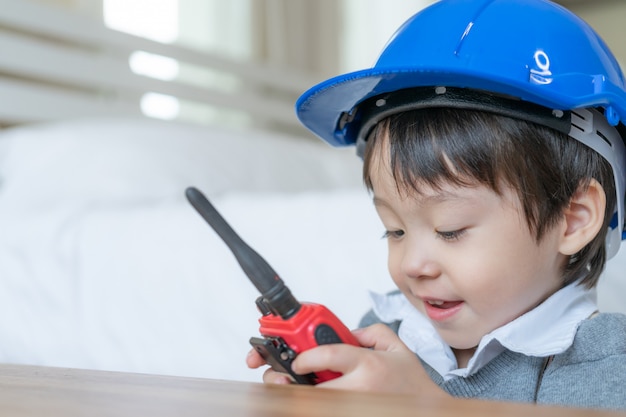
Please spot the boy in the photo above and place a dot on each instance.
(495, 156)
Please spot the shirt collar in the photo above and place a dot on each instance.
(546, 330)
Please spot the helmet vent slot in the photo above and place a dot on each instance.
(604, 138)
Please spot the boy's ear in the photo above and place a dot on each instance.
(583, 217)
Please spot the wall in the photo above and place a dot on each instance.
(608, 18)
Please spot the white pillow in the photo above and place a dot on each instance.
(107, 160)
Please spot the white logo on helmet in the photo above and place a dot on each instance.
(541, 74)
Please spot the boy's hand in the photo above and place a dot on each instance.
(388, 366)
(383, 364)
(255, 360)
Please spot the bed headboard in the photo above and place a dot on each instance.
(58, 64)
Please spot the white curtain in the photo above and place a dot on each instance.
(298, 34)
(326, 37)
(368, 25)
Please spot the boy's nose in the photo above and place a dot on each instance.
(418, 262)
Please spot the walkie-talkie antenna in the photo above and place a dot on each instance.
(275, 293)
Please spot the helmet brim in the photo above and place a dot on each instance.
(321, 107)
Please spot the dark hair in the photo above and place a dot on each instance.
(437, 146)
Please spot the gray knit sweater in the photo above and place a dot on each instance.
(590, 374)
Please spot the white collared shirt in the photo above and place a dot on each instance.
(546, 330)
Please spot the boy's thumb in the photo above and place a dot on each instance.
(379, 337)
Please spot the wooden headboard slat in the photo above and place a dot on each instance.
(29, 104)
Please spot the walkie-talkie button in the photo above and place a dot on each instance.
(325, 335)
(287, 354)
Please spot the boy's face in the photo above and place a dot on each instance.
(464, 256)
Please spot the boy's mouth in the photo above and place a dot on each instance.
(440, 310)
(443, 304)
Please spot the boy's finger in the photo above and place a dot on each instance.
(254, 359)
(272, 377)
(378, 337)
(334, 357)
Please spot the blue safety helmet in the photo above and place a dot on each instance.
(536, 60)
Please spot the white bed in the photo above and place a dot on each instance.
(105, 265)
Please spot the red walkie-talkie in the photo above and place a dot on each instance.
(288, 327)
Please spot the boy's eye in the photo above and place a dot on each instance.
(393, 234)
(450, 235)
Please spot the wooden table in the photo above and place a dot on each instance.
(50, 392)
